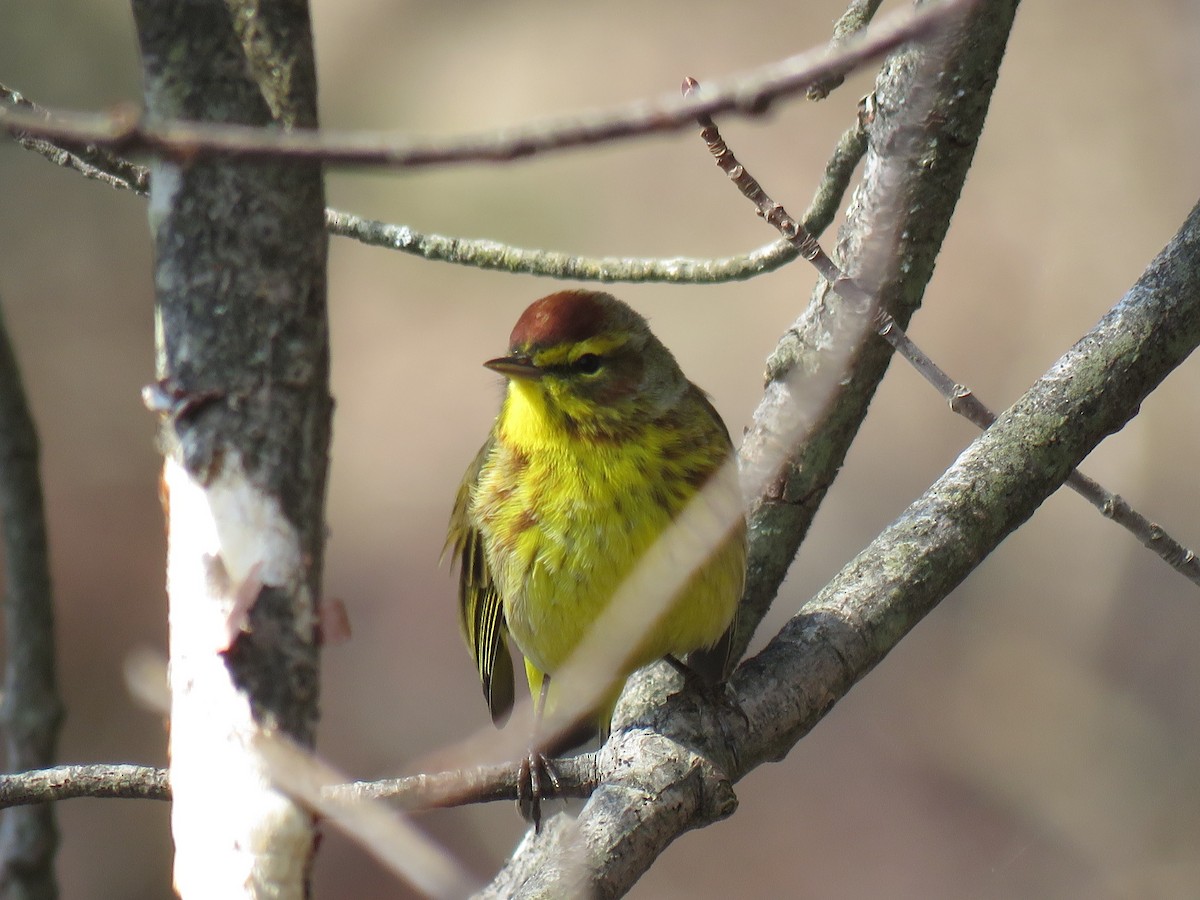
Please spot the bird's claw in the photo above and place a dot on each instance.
(536, 780)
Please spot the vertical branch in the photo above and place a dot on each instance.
(243, 367)
(913, 175)
(32, 711)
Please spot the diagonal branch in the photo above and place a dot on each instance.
(498, 256)
(1110, 505)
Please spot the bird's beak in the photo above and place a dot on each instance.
(515, 367)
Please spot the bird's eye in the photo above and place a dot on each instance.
(588, 364)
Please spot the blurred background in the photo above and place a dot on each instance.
(1035, 736)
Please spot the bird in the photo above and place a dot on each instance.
(600, 443)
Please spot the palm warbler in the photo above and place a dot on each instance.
(599, 444)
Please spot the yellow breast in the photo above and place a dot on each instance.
(567, 515)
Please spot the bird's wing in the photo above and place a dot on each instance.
(480, 611)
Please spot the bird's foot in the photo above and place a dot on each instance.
(536, 780)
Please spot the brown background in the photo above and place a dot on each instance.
(1036, 736)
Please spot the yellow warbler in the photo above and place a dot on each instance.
(599, 444)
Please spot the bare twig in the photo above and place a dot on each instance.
(90, 161)
(964, 402)
(774, 214)
(961, 399)
(574, 777)
(126, 131)
(31, 712)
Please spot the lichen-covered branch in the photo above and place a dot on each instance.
(994, 486)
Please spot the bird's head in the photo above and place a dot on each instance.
(591, 362)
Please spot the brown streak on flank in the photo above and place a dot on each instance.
(525, 521)
(518, 459)
(561, 318)
(508, 540)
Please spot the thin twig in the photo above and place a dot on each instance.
(961, 399)
(793, 232)
(964, 402)
(90, 161)
(126, 130)
(32, 711)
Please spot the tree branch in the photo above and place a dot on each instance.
(577, 777)
(32, 711)
(994, 486)
(182, 138)
(494, 255)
